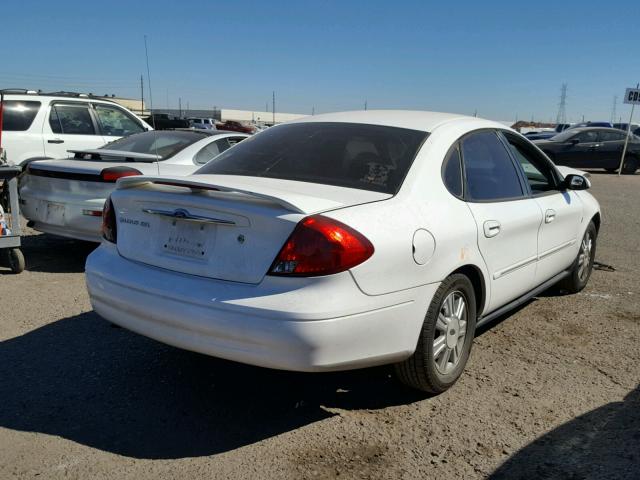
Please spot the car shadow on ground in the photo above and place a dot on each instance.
(603, 443)
(85, 380)
(53, 254)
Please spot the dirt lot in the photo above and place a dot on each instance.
(551, 391)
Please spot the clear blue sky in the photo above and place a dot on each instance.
(501, 58)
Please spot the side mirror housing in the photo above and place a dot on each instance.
(574, 141)
(576, 182)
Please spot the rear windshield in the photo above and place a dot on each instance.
(367, 157)
(17, 116)
(165, 143)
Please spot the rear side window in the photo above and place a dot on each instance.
(489, 171)
(366, 157)
(452, 172)
(17, 116)
(71, 120)
(211, 150)
(609, 136)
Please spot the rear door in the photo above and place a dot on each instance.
(507, 218)
(561, 208)
(610, 151)
(70, 125)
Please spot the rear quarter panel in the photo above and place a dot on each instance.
(422, 203)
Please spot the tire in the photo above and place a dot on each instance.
(630, 165)
(16, 260)
(579, 277)
(423, 370)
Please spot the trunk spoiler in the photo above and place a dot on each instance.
(99, 153)
(297, 203)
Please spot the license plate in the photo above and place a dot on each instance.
(186, 239)
(55, 213)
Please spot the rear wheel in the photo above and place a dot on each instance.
(445, 340)
(630, 165)
(583, 265)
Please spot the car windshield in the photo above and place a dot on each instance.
(165, 143)
(366, 157)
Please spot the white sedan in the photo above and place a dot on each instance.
(65, 197)
(345, 240)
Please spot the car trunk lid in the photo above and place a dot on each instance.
(217, 226)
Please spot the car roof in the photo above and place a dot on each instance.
(206, 133)
(411, 119)
(35, 96)
(586, 129)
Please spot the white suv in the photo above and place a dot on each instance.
(39, 126)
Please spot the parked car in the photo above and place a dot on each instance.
(46, 125)
(163, 121)
(592, 148)
(345, 240)
(65, 197)
(635, 127)
(236, 127)
(203, 123)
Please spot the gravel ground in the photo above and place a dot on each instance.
(551, 391)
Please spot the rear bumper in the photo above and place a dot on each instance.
(319, 324)
(67, 218)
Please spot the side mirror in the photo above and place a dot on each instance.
(576, 182)
(574, 141)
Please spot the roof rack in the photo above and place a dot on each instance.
(24, 91)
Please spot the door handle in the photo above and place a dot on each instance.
(55, 140)
(549, 216)
(491, 228)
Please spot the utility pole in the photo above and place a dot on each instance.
(141, 96)
(179, 107)
(365, 104)
(273, 105)
(562, 106)
(187, 112)
(613, 110)
(313, 111)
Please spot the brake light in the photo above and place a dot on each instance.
(112, 174)
(109, 226)
(321, 246)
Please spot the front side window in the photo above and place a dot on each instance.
(537, 169)
(17, 116)
(366, 157)
(71, 119)
(115, 122)
(589, 136)
(490, 173)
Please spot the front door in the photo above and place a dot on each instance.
(507, 219)
(561, 209)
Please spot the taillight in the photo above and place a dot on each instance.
(109, 227)
(321, 246)
(112, 174)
